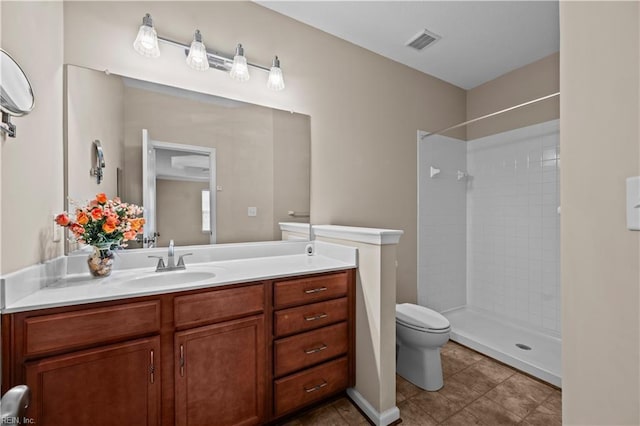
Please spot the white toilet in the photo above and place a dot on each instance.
(420, 332)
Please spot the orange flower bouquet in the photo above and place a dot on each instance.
(106, 225)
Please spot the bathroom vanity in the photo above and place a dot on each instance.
(243, 353)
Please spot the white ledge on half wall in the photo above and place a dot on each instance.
(294, 226)
(363, 235)
(297, 227)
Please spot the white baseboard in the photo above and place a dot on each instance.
(379, 419)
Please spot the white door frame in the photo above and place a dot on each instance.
(149, 148)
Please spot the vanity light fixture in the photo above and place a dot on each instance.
(146, 42)
(239, 69)
(199, 58)
(276, 80)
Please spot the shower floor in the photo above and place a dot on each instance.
(497, 338)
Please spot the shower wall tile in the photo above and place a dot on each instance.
(513, 225)
(442, 224)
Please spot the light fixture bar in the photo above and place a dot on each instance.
(216, 60)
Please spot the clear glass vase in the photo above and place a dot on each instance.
(100, 261)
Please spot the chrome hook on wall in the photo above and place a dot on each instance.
(7, 126)
(97, 170)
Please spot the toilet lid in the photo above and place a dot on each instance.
(419, 316)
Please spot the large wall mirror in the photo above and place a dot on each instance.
(206, 169)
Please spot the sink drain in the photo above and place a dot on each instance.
(523, 346)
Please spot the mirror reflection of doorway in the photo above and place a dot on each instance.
(179, 194)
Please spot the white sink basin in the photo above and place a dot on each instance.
(163, 279)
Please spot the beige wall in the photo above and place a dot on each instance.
(363, 131)
(600, 140)
(32, 164)
(95, 110)
(530, 82)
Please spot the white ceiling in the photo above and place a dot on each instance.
(481, 40)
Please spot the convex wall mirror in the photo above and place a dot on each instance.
(16, 93)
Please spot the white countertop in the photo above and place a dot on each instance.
(121, 284)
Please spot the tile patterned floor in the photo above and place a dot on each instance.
(477, 391)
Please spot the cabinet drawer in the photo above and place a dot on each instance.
(308, 317)
(308, 290)
(218, 305)
(48, 333)
(300, 351)
(310, 385)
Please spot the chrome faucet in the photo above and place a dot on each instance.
(171, 263)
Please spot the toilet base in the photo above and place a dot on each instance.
(422, 367)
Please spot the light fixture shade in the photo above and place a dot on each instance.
(146, 42)
(276, 79)
(239, 69)
(197, 58)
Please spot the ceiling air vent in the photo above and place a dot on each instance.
(423, 39)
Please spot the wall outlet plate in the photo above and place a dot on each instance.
(252, 211)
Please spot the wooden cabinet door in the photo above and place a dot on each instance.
(115, 384)
(220, 374)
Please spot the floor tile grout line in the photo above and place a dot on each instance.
(537, 404)
(413, 398)
(423, 410)
(521, 418)
(484, 357)
(366, 419)
(524, 373)
(474, 400)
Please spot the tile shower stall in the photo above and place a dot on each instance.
(489, 243)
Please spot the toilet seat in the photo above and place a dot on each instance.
(421, 318)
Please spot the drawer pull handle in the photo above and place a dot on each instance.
(315, 290)
(181, 360)
(315, 317)
(152, 368)
(316, 387)
(322, 347)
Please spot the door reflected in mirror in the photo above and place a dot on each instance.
(250, 164)
(177, 180)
